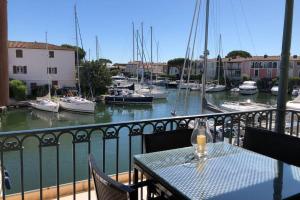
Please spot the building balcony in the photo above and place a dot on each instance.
(53, 163)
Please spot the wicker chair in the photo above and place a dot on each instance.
(167, 140)
(281, 147)
(109, 189)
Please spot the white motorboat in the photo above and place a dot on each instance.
(248, 88)
(118, 79)
(155, 93)
(294, 104)
(274, 90)
(215, 88)
(77, 104)
(188, 85)
(295, 92)
(45, 105)
(235, 90)
(196, 87)
(243, 106)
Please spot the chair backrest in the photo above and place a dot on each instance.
(278, 146)
(107, 188)
(167, 140)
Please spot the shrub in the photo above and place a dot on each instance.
(17, 89)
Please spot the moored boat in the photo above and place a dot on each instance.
(77, 104)
(45, 105)
(127, 97)
(215, 88)
(294, 104)
(153, 92)
(248, 88)
(172, 84)
(243, 106)
(274, 90)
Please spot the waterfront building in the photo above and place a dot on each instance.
(255, 68)
(32, 63)
(156, 68)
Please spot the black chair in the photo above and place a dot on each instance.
(167, 140)
(109, 189)
(282, 147)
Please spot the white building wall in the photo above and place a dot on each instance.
(37, 61)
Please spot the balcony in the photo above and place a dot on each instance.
(52, 163)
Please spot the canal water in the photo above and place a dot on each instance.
(27, 118)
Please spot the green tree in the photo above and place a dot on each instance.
(104, 60)
(81, 52)
(240, 53)
(95, 77)
(178, 62)
(17, 89)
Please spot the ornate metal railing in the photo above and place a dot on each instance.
(51, 157)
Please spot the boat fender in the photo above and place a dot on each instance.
(7, 180)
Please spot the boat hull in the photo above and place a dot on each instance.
(77, 107)
(218, 88)
(128, 100)
(54, 108)
(248, 92)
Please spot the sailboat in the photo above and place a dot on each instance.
(77, 103)
(217, 87)
(45, 103)
(149, 91)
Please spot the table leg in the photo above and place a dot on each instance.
(135, 176)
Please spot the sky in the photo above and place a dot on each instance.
(251, 25)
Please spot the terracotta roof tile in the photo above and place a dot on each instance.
(35, 45)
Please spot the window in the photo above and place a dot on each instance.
(51, 54)
(270, 65)
(33, 85)
(252, 65)
(274, 64)
(237, 73)
(52, 70)
(54, 83)
(19, 53)
(298, 63)
(20, 69)
(256, 73)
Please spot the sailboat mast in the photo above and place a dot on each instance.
(77, 50)
(133, 42)
(157, 45)
(151, 29)
(48, 70)
(97, 48)
(203, 102)
(137, 56)
(219, 59)
(142, 44)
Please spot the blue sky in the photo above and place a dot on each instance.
(239, 21)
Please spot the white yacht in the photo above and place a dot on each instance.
(153, 92)
(215, 88)
(274, 90)
(118, 79)
(77, 104)
(45, 105)
(294, 104)
(235, 90)
(243, 106)
(295, 92)
(248, 87)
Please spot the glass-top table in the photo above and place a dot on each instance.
(229, 172)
